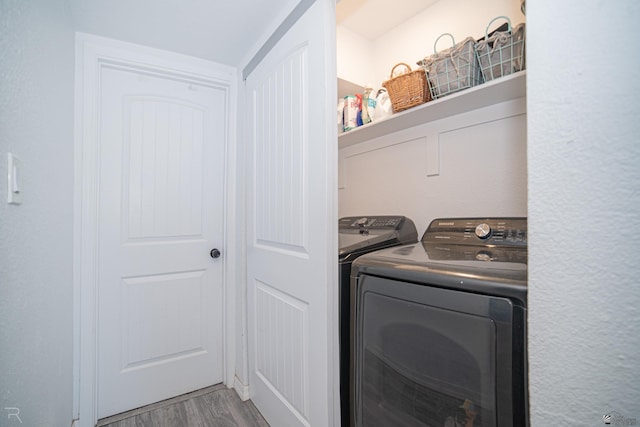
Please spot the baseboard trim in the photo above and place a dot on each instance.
(241, 389)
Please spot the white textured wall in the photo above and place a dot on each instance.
(584, 203)
(36, 123)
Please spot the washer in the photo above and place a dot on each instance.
(440, 328)
(358, 236)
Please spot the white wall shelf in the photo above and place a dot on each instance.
(490, 93)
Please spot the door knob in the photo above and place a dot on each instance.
(215, 253)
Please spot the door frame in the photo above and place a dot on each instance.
(93, 53)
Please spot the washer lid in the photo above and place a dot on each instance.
(480, 269)
(360, 234)
(353, 242)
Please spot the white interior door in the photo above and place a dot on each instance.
(160, 214)
(292, 220)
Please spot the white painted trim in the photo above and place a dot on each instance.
(331, 213)
(242, 345)
(93, 52)
(499, 111)
(233, 255)
(241, 389)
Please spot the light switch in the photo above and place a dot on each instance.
(14, 179)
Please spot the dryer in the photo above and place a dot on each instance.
(440, 328)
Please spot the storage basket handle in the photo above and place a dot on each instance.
(486, 32)
(396, 66)
(442, 35)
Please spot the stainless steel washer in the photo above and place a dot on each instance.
(358, 236)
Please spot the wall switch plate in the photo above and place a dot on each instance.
(14, 179)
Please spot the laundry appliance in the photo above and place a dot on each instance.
(359, 235)
(439, 328)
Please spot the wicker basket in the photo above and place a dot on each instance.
(407, 90)
(453, 69)
(502, 52)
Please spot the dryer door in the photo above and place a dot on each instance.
(431, 357)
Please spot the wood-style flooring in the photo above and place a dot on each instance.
(216, 406)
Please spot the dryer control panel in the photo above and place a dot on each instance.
(478, 231)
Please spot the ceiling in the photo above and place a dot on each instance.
(372, 18)
(219, 30)
(223, 30)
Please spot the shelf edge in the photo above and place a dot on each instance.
(490, 93)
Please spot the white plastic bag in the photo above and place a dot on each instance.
(383, 105)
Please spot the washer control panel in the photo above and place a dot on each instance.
(371, 222)
(478, 231)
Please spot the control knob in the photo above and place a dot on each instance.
(362, 221)
(483, 231)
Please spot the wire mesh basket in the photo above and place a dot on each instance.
(408, 89)
(502, 52)
(452, 69)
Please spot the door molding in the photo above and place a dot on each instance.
(92, 54)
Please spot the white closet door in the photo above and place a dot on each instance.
(291, 214)
(161, 213)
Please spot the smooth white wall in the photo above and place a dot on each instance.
(470, 164)
(354, 53)
(584, 199)
(414, 39)
(36, 123)
(362, 61)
